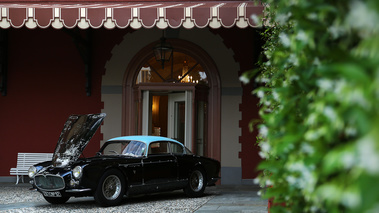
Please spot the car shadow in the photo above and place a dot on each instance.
(89, 203)
(173, 195)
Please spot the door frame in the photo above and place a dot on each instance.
(132, 92)
(189, 122)
(149, 88)
(185, 96)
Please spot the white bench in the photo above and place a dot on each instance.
(26, 160)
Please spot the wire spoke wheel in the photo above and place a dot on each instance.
(196, 181)
(111, 187)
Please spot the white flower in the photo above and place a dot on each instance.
(263, 155)
(263, 131)
(312, 16)
(260, 94)
(336, 31)
(361, 18)
(291, 180)
(312, 135)
(293, 59)
(325, 84)
(356, 96)
(263, 80)
(265, 147)
(312, 119)
(348, 160)
(256, 180)
(313, 209)
(330, 113)
(350, 131)
(368, 155)
(275, 95)
(306, 180)
(316, 62)
(268, 110)
(244, 79)
(351, 199)
(294, 77)
(306, 148)
(282, 18)
(302, 36)
(284, 39)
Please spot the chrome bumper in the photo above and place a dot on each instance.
(77, 190)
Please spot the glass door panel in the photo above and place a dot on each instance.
(201, 128)
(146, 113)
(168, 114)
(179, 117)
(179, 121)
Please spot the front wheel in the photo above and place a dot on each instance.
(56, 200)
(111, 188)
(196, 183)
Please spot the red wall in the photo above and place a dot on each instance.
(246, 45)
(46, 83)
(249, 106)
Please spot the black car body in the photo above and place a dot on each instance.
(126, 165)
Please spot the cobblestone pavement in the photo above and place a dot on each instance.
(234, 199)
(17, 198)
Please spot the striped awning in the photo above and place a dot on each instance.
(111, 15)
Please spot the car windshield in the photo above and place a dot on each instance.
(127, 148)
(134, 148)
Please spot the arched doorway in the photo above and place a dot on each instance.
(186, 91)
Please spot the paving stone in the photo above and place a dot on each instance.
(222, 199)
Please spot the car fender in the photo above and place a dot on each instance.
(200, 166)
(122, 170)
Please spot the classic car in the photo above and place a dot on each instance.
(124, 166)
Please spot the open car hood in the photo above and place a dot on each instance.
(77, 132)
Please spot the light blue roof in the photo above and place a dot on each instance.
(144, 138)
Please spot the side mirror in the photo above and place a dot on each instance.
(98, 153)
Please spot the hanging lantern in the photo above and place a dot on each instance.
(163, 51)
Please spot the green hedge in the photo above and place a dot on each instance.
(319, 134)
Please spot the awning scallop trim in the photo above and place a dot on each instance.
(131, 14)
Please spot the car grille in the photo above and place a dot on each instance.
(49, 182)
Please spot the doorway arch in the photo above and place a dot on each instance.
(131, 99)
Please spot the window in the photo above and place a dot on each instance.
(158, 148)
(183, 69)
(127, 148)
(176, 148)
(134, 148)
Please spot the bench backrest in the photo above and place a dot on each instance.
(29, 159)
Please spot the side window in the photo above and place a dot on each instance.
(176, 148)
(158, 148)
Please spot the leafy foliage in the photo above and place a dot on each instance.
(319, 135)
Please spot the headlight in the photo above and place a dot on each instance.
(77, 172)
(32, 171)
